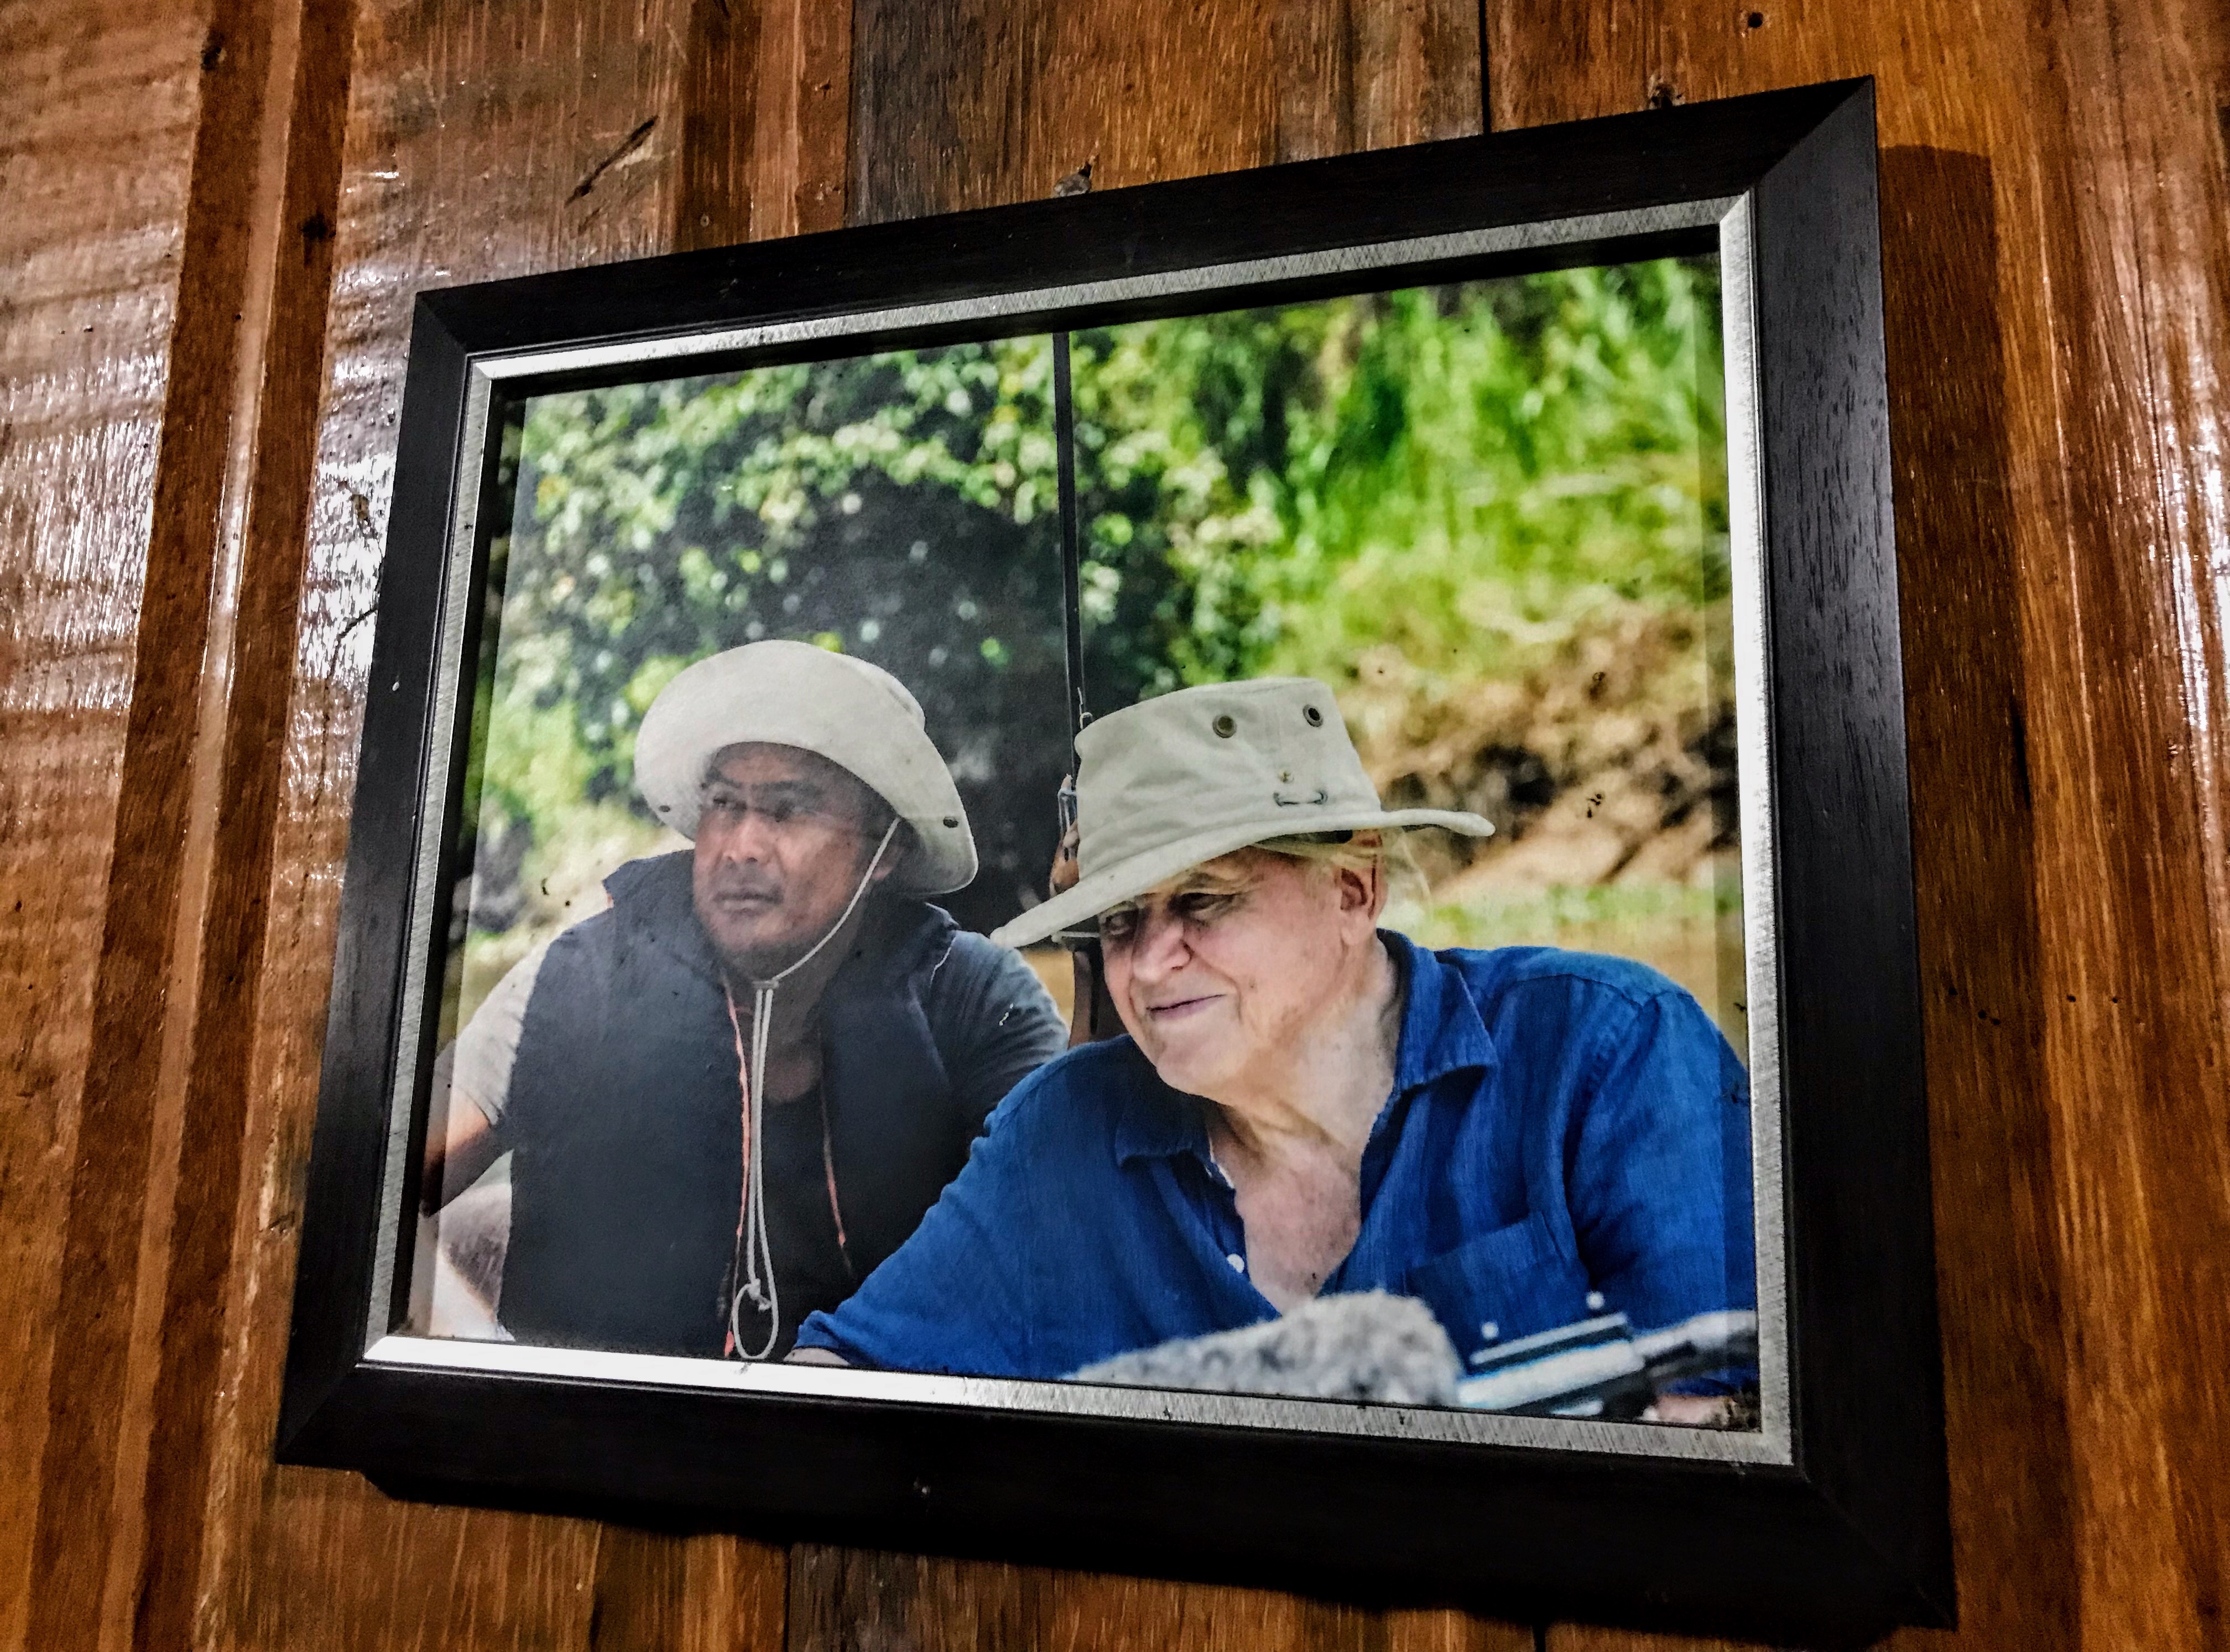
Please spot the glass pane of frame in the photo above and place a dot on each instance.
(1488, 521)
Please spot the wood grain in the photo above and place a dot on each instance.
(481, 141)
(765, 112)
(98, 108)
(1976, 858)
(100, 1384)
(968, 103)
(1362, 74)
(715, 176)
(2130, 729)
(1582, 1638)
(804, 118)
(858, 1600)
(2050, 318)
(194, 430)
(246, 679)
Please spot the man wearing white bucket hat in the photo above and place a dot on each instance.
(734, 1093)
(1307, 1104)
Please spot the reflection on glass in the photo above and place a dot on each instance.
(1489, 517)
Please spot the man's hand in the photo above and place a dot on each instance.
(1692, 1411)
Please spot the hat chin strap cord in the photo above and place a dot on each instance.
(754, 1258)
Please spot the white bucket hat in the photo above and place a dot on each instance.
(1162, 785)
(857, 715)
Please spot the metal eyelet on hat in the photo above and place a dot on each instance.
(953, 820)
(1315, 717)
(1225, 726)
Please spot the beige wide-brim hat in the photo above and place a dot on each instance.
(1165, 785)
(857, 715)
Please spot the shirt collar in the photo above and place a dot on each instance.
(1443, 1032)
(1156, 1121)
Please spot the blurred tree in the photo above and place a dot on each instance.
(899, 506)
(1442, 470)
(1492, 516)
(1409, 494)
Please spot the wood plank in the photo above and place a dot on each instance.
(804, 118)
(481, 141)
(100, 1386)
(98, 109)
(1582, 1638)
(714, 173)
(1412, 1630)
(1354, 75)
(247, 673)
(915, 149)
(967, 103)
(846, 1598)
(1133, 1615)
(1976, 859)
(2053, 311)
(1547, 61)
(1418, 72)
(766, 114)
(2125, 630)
(841, 1599)
(2055, 217)
(735, 1598)
(654, 1592)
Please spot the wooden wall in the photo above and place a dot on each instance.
(215, 213)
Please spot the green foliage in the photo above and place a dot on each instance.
(900, 507)
(1456, 473)
(669, 521)
(1460, 479)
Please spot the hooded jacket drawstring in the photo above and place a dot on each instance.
(752, 1273)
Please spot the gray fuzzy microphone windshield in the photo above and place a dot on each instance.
(1366, 1345)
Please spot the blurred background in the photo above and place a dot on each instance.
(1492, 516)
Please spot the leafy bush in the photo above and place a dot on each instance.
(900, 507)
(1444, 502)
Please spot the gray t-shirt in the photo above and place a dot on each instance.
(482, 1059)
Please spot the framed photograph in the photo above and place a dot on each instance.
(1209, 879)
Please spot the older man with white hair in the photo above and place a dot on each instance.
(735, 1092)
(1306, 1104)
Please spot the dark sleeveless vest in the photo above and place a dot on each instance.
(625, 1119)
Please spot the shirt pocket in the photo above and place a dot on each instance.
(1510, 1282)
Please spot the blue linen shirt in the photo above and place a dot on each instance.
(1560, 1123)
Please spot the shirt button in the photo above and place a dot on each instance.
(1595, 1301)
(1238, 1262)
(1489, 1331)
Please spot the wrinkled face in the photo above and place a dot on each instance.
(782, 839)
(1217, 973)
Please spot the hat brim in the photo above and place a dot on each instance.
(844, 711)
(1130, 878)
(913, 782)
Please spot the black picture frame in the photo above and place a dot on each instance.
(1847, 1537)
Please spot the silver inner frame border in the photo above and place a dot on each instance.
(1770, 1444)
